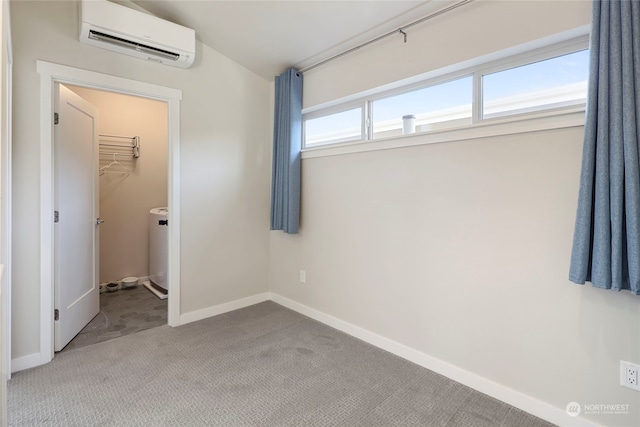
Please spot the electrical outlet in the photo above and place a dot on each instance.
(303, 276)
(632, 376)
(629, 375)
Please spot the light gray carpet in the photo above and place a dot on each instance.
(263, 365)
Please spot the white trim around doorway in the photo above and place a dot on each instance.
(50, 74)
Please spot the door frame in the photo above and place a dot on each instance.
(50, 74)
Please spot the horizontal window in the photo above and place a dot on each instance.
(337, 127)
(555, 82)
(547, 79)
(441, 105)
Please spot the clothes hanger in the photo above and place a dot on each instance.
(115, 162)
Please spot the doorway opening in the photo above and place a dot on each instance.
(50, 75)
(131, 248)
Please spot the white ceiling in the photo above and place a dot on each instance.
(267, 37)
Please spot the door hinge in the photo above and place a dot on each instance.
(56, 216)
(56, 314)
(56, 118)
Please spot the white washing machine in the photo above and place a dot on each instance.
(158, 252)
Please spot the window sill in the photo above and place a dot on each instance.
(490, 128)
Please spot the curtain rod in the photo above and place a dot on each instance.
(390, 33)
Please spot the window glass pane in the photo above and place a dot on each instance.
(553, 82)
(442, 105)
(338, 127)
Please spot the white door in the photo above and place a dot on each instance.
(76, 287)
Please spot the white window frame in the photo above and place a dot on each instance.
(531, 57)
(545, 117)
(335, 110)
(443, 79)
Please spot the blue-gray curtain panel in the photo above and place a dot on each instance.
(606, 243)
(287, 144)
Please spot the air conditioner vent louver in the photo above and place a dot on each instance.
(120, 29)
(107, 38)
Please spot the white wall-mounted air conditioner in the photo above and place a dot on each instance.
(124, 30)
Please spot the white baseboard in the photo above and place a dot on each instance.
(508, 395)
(194, 316)
(26, 362)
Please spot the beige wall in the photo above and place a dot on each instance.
(5, 142)
(225, 164)
(125, 201)
(461, 250)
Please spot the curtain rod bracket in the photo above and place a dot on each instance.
(403, 33)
